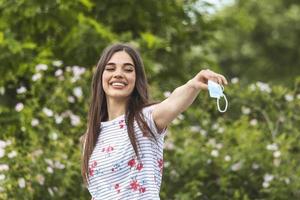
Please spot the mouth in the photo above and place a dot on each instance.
(118, 84)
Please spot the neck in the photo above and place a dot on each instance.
(115, 108)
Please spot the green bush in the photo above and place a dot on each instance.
(249, 152)
(43, 130)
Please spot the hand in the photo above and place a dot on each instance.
(199, 82)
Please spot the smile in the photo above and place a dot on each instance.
(118, 84)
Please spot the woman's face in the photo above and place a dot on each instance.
(118, 78)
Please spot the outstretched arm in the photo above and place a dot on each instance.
(182, 97)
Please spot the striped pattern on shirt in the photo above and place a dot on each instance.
(115, 172)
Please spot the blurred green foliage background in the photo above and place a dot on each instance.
(48, 50)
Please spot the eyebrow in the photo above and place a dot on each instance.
(111, 63)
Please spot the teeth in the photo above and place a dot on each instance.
(118, 84)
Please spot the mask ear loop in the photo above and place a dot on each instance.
(226, 104)
(218, 100)
(222, 87)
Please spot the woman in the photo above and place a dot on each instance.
(123, 147)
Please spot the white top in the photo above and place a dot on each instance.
(115, 172)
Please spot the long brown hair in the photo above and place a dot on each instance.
(98, 106)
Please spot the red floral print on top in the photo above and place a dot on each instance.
(136, 186)
(139, 167)
(116, 172)
(131, 163)
(122, 123)
(117, 188)
(160, 165)
(92, 168)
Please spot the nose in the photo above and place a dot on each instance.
(118, 76)
(118, 73)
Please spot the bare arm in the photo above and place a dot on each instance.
(182, 97)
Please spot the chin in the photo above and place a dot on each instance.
(118, 96)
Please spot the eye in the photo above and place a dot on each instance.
(109, 69)
(128, 70)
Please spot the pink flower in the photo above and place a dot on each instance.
(91, 172)
(131, 163)
(139, 167)
(160, 163)
(109, 149)
(94, 164)
(117, 188)
(91, 169)
(134, 185)
(142, 190)
(121, 123)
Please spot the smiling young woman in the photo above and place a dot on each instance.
(118, 79)
(122, 154)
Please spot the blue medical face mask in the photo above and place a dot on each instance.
(216, 91)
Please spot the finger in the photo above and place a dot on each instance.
(219, 80)
(224, 80)
(205, 75)
(211, 75)
(215, 77)
(203, 86)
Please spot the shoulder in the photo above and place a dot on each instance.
(148, 116)
(147, 110)
(150, 107)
